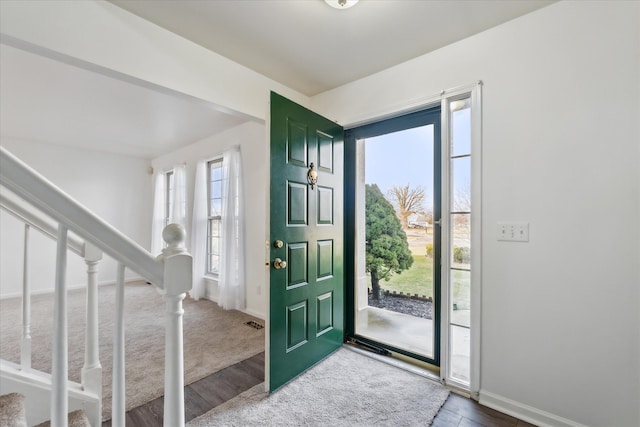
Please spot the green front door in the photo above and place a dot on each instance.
(307, 286)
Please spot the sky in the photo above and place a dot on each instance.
(401, 158)
(406, 157)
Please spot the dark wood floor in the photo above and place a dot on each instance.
(203, 395)
(463, 412)
(207, 393)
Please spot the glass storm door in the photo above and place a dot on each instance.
(394, 205)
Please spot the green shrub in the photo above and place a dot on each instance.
(461, 254)
(429, 249)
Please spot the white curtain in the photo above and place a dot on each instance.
(199, 231)
(178, 213)
(231, 278)
(179, 202)
(157, 222)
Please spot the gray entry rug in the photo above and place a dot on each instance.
(213, 338)
(346, 389)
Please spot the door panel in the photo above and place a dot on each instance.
(307, 295)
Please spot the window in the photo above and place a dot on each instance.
(169, 191)
(214, 215)
(175, 202)
(459, 262)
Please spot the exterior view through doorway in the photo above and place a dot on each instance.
(396, 212)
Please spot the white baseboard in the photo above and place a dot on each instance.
(253, 313)
(525, 412)
(244, 310)
(70, 288)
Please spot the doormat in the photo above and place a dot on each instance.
(324, 396)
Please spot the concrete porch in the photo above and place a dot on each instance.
(415, 334)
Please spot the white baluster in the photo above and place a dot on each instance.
(92, 369)
(59, 374)
(118, 387)
(177, 281)
(25, 345)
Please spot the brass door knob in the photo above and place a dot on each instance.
(279, 264)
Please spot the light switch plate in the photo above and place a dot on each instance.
(513, 231)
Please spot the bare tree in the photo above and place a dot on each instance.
(462, 219)
(407, 201)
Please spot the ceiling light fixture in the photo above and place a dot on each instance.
(341, 4)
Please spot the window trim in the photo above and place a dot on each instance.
(474, 93)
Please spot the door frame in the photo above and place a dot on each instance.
(377, 128)
(474, 90)
(443, 98)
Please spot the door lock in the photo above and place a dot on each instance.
(279, 264)
(278, 244)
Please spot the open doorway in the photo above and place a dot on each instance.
(397, 241)
(412, 183)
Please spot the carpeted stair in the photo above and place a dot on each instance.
(12, 413)
(76, 419)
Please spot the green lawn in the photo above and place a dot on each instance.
(419, 280)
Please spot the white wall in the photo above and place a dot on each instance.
(561, 106)
(251, 138)
(117, 188)
(107, 39)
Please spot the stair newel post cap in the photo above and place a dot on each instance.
(177, 261)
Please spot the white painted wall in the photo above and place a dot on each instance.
(561, 106)
(251, 138)
(117, 188)
(105, 38)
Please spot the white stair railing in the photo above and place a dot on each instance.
(91, 375)
(170, 272)
(60, 356)
(118, 400)
(25, 342)
(20, 210)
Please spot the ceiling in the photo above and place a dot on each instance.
(311, 47)
(47, 101)
(303, 44)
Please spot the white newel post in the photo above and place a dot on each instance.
(25, 345)
(92, 369)
(177, 282)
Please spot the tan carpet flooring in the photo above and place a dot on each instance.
(213, 338)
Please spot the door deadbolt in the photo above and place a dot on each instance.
(278, 244)
(279, 264)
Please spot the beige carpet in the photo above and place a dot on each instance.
(346, 389)
(213, 338)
